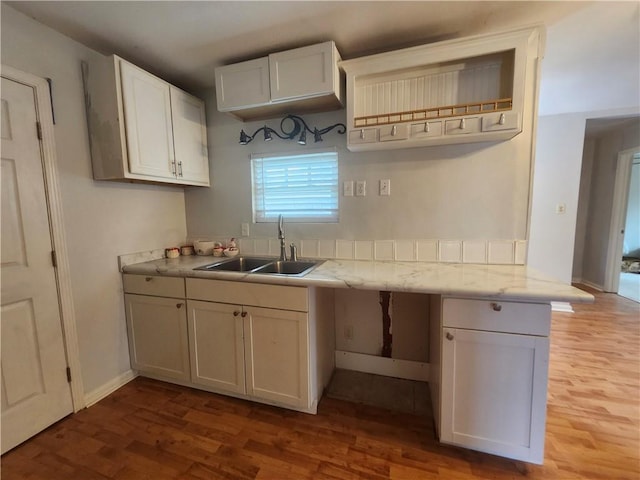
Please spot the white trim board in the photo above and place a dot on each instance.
(561, 307)
(94, 396)
(388, 367)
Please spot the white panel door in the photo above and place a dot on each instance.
(189, 138)
(243, 85)
(277, 355)
(35, 391)
(216, 345)
(147, 114)
(494, 392)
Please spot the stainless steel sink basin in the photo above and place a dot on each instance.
(268, 266)
(287, 267)
(236, 264)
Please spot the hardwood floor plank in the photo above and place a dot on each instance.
(154, 430)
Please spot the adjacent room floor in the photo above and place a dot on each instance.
(629, 286)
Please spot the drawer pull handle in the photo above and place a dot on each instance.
(462, 124)
(180, 169)
(362, 134)
(427, 127)
(496, 307)
(502, 120)
(179, 305)
(449, 336)
(148, 279)
(244, 314)
(393, 131)
(236, 313)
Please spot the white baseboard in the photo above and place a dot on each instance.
(561, 307)
(592, 285)
(94, 396)
(389, 367)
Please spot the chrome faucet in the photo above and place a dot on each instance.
(283, 251)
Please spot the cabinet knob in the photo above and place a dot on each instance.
(148, 279)
(236, 313)
(462, 124)
(496, 307)
(179, 305)
(244, 314)
(449, 336)
(394, 129)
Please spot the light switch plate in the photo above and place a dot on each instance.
(347, 188)
(361, 188)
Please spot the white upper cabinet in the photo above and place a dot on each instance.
(147, 113)
(143, 129)
(306, 79)
(243, 85)
(189, 138)
(475, 89)
(304, 72)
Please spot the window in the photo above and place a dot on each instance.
(302, 187)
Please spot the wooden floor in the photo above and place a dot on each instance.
(152, 430)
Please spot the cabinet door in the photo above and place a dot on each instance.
(147, 114)
(242, 85)
(277, 356)
(189, 138)
(157, 329)
(494, 388)
(216, 345)
(303, 72)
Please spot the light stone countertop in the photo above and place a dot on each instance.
(506, 282)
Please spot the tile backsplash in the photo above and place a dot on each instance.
(505, 252)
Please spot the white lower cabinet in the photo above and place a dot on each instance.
(260, 352)
(493, 382)
(216, 345)
(157, 329)
(277, 356)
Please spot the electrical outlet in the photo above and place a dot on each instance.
(385, 187)
(348, 332)
(361, 188)
(245, 229)
(347, 188)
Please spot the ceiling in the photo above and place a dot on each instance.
(183, 41)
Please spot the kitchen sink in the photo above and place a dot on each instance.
(268, 266)
(237, 264)
(287, 267)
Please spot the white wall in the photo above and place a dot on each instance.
(473, 191)
(102, 220)
(591, 70)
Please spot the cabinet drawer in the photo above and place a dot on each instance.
(426, 129)
(494, 122)
(462, 126)
(153, 285)
(394, 132)
(363, 135)
(497, 316)
(243, 293)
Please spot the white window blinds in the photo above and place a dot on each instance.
(303, 188)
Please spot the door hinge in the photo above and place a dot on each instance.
(39, 130)
(54, 259)
(68, 375)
